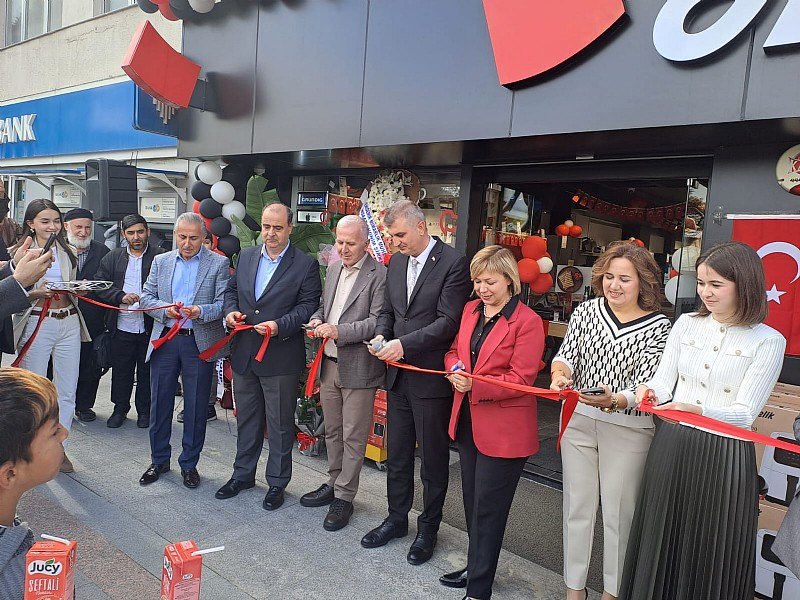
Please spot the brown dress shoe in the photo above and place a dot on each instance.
(66, 465)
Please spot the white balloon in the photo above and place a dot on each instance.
(234, 208)
(569, 222)
(209, 172)
(222, 192)
(681, 286)
(684, 259)
(545, 264)
(202, 6)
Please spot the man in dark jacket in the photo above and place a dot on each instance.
(127, 269)
(78, 224)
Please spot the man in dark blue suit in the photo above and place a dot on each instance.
(277, 288)
(427, 285)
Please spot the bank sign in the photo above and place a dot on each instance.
(531, 38)
(86, 121)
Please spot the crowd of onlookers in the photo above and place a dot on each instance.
(679, 503)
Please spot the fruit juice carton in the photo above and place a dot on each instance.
(50, 570)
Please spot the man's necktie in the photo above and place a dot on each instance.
(413, 281)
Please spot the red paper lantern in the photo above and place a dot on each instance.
(576, 198)
(542, 284)
(534, 247)
(575, 231)
(562, 230)
(528, 270)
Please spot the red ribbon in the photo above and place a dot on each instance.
(569, 396)
(314, 368)
(691, 418)
(305, 441)
(173, 331)
(262, 350)
(45, 307)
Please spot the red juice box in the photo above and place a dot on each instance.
(180, 579)
(50, 571)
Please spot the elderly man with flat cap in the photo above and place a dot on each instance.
(79, 225)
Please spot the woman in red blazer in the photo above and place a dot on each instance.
(495, 427)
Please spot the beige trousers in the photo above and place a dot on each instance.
(348, 418)
(603, 464)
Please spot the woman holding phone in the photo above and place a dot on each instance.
(62, 329)
(611, 344)
(694, 533)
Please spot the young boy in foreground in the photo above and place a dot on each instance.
(31, 452)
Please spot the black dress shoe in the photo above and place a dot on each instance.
(211, 415)
(232, 488)
(191, 478)
(87, 416)
(143, 421)
(153, 472)
(274, 498)
(422, 548)
(383, 534)
(338, 515)
(321, 496)
(456, 579)
(116, 420)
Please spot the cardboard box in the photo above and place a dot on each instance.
(180, 578)
(377, 434)
(786, 396)
(773, 419)
(770, 516)
(50, 571)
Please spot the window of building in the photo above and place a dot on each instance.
(109, 5)
(28, 18)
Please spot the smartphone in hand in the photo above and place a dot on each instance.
(50, 241)
(593, 391)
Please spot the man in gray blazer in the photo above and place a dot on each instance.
(349, 374)
(197, 278)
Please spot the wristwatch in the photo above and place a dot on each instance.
(613, 407)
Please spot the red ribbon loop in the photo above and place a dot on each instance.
(262, 350)
(45, 307)
(173, 331)
(314, 368)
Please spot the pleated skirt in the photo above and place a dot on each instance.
(694, 530)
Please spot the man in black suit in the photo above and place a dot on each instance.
(127, 269)
(78, 224)
(427, 285)
(277, 288)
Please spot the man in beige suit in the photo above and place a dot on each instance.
(349, 374)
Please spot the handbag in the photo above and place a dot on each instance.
(101, 351)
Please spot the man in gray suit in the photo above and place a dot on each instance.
(197, 278)
(349, 374)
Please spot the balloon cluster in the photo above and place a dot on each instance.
(536, 264)
(173, 10)
(219, 196)
(569, 228)
(683, 264)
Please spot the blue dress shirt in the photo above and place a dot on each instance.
(266, 269)
(184, 282)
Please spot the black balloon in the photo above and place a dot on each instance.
(200, 190)
(181, 9)
(210, 208)
(229, 245)
(236, 175)
(220, 226)
(147, 6)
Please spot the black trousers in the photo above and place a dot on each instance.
(489, 485)
(414, 420)
(127, 358)
(88, 379)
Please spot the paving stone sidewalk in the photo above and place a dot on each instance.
(122, 528)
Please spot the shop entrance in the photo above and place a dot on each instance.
(580, 217)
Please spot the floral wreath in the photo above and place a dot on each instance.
(386, 189)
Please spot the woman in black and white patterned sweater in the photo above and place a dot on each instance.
(613, 342)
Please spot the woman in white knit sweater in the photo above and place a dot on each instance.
(693, 536)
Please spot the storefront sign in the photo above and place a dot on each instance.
(85, 121)
(787, 170)
(17, 129)
(673, 42)
(531, 38)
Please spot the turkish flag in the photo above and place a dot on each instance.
(777, 241)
